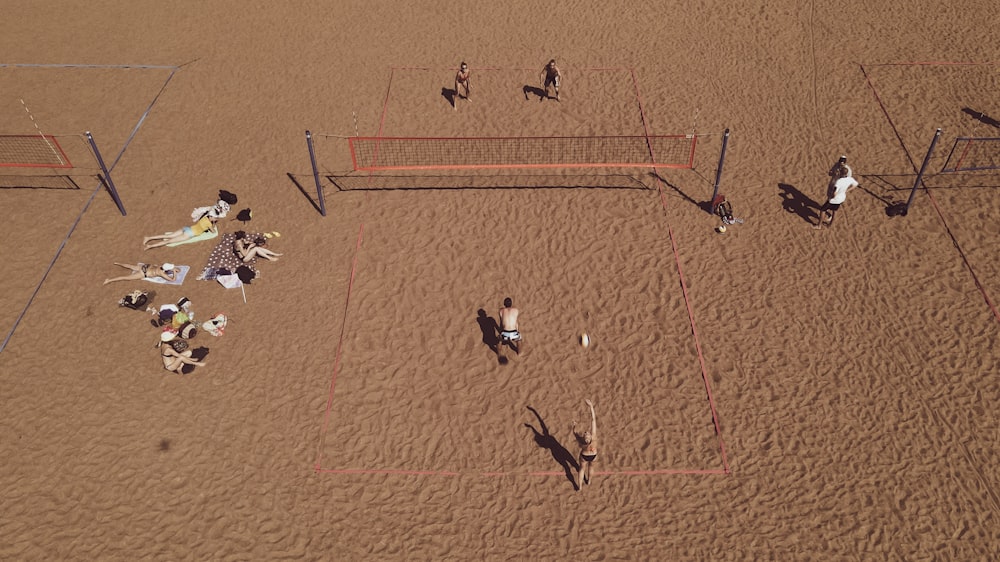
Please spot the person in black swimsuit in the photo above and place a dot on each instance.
(144, 271)
(551, 76)
(462, 83)
(588, 444)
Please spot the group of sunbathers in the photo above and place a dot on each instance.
(177, 321)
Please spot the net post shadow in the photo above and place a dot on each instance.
(981, 117)
(302, 190)
(706, 205)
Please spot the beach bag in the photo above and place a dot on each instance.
(725, 211)
(188, 330)
(179, 319)
(134, 300)
(216, 325)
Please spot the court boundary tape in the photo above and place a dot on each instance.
(934, 204)
(318, 468)
(100, 183)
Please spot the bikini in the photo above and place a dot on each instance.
(589, 457)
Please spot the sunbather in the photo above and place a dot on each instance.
(204, 224)
(174, 360)
(145, 271)
(247, 249)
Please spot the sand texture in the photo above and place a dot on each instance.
(776, 392)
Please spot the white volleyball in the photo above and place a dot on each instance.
(584, 340)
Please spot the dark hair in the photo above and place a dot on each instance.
(507, 302)
(260, 241)
(240, 235)
(228, 197)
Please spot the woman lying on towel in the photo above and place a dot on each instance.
(247, 249)
(204, 224)
(145, 271)
(174, 360)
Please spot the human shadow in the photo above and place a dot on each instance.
(198, 354)
(491, 330)
(546, 440)
(794, 201)
(451, 95)
(981, 117)
(529, 90)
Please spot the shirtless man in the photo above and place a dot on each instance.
(144, 271)
(461, 83)
(508, 327)
(550, 75)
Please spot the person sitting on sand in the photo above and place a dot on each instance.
(174, 360)
(509, 333)
(204, 224)
(145, 271)
(588, 452)
(247, 249)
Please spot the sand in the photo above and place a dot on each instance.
(774, 392)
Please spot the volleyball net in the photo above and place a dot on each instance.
(32, 151)
(969, 154)
(372, 154)
(28, 161)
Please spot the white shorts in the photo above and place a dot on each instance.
(510, 335)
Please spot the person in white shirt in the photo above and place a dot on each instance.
(838, 193)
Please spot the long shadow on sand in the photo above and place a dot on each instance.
(491, 330)
(794, 201)
(546, 440)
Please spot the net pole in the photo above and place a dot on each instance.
(718, 173)
(108, 182)
(920, 174)
(312, 160)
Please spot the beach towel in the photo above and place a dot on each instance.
(178, 279)
(207, 235)
(224, 258)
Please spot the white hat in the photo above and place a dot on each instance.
(167, 335)
(220, 210)
(168, 266)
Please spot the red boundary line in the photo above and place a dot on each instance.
(401, 472)
(715, 419)
(46, 138)
(954, 240)
(930, 63)
(340, 348)
(687, 299)
(646, 136)
(499, 68)
(520, 166)
(381, 122)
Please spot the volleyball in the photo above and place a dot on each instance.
(721, 229)
(584, 340)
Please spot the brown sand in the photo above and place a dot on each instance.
(352, 410)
